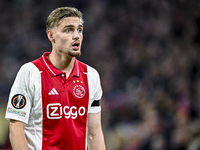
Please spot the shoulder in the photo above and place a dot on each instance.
(92, 71)
(27, 75)
(28, 69)
(93, 75)
(87, 68)
(28, 66)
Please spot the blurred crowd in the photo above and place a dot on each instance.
(146, 52)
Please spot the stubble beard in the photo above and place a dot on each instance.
(74, 54)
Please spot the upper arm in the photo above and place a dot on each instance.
(16, 129)
(17, 133)
(94, 123)
(95, 135)
(16, 126)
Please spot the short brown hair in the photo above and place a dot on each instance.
(56, 15)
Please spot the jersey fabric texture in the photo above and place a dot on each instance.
(54, 108)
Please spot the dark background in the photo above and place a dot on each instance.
(146, 52)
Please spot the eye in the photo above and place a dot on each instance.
(80, 30)
(67, 30)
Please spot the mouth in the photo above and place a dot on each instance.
(76, 45)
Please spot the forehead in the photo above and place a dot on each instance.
(72, 21)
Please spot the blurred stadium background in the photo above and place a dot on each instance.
(147, 54)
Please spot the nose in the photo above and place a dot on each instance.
(76, 35)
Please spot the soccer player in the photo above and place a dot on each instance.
(54, 101)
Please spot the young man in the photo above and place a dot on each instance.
(54, 101)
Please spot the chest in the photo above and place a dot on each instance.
(63, 98)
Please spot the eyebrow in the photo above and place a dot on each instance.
(72, 26)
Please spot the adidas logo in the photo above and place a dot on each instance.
(53, 92)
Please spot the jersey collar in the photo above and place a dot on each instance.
(54, 71)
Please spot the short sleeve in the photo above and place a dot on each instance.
(95, 91)
(19, 102)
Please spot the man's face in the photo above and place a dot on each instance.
(68, 36)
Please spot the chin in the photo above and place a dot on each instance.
(75, 54)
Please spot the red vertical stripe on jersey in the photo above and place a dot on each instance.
(64, 113)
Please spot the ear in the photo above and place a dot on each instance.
(50, 35)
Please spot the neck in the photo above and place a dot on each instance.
(62, 62)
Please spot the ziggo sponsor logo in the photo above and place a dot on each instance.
(55, 111)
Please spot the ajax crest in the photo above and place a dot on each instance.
(79, 91)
